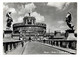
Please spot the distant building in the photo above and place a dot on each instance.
(59, 36)
(29, 28)
(49, 34)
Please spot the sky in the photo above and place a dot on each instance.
(51, 13)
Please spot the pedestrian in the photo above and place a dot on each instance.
(22, 43)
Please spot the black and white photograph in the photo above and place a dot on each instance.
(39, 28)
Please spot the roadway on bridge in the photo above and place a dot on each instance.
(34, 47)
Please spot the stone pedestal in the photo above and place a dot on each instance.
(7, 33)
(70, 35)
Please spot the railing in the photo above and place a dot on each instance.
(71, 44)
(8, 46)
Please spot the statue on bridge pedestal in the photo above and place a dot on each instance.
(69, 32)
(8, 30)
(68, 20)
(9, 20)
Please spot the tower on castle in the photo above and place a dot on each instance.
(29, 19)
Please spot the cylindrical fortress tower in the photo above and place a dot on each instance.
(29, 28)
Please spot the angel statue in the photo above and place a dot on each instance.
(9, 20)
(68, 20)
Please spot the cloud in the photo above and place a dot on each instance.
(52, 28)
(30, 7)
(39, 17)
(62, 27)
(60, 22)
(5, 7)
(27, 8)
(59, 5)
(8, 9)
(12, 10)
(20, 19)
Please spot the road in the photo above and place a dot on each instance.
(39, 48)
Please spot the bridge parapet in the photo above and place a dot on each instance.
(70, 44)
(11, 45)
